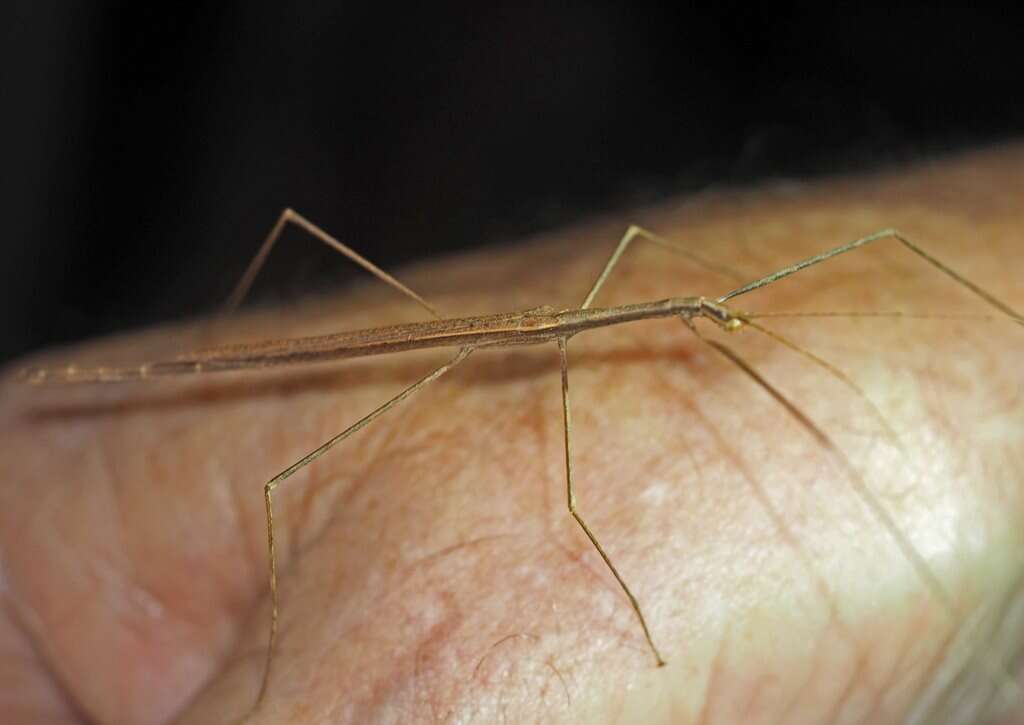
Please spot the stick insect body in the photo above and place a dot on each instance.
(530, 327)
(534, 326)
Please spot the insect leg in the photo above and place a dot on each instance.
(634, 232)
(292, 216)
(936, 589)
(571, 501)
(862, 242)
(277, 480)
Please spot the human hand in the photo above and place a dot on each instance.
(429, 570)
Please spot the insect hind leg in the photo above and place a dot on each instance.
(290, 216)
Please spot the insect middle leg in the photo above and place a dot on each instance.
(573, 511)
(632, 234)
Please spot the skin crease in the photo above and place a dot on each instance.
(428, 569)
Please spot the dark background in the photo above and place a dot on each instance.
(148, 147)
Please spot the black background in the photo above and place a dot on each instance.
(148, 147)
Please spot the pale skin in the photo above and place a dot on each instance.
(429, 571)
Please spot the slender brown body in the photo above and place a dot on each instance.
(529, 327)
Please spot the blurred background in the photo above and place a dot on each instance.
(148, 147)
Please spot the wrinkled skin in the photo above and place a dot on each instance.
(429, 570)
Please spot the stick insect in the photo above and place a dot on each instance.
(541, 325)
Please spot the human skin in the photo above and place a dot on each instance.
(429, 571)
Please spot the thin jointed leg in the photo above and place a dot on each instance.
(290, 215)
(1002, 680)
(1000, 676)
(832, 370)
(303, 462)
(571, 501)
(634, 232)
(864, 241)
